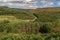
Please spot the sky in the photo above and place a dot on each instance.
(30, 4)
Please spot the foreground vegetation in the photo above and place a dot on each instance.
(33, 24)
(13, 36)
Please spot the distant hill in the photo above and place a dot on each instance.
(27, 13)
(48, 10)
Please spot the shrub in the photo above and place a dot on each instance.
(1, 29)
(5, 21)
(44, 29)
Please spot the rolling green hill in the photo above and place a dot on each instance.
(29, 24)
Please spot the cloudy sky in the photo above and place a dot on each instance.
(30, 3)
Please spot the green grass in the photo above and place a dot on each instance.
(13, 36)
(29, 24)
(12, 19)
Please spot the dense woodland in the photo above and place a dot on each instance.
(29, 24)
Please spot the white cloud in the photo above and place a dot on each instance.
(28, 0)
(46, 3)
(25, 4)
(29, 3)
(0, 0)
(15, 0)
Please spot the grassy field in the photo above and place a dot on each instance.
(29, 24)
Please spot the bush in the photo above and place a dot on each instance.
(3, 25)
(13, 36)
(21, 37)
(1, 29)
(5, 21)
(45, 29)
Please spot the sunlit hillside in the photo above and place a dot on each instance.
(29, 24)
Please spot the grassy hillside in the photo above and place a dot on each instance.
(29, 24)
(49, 10)
(22, 14)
